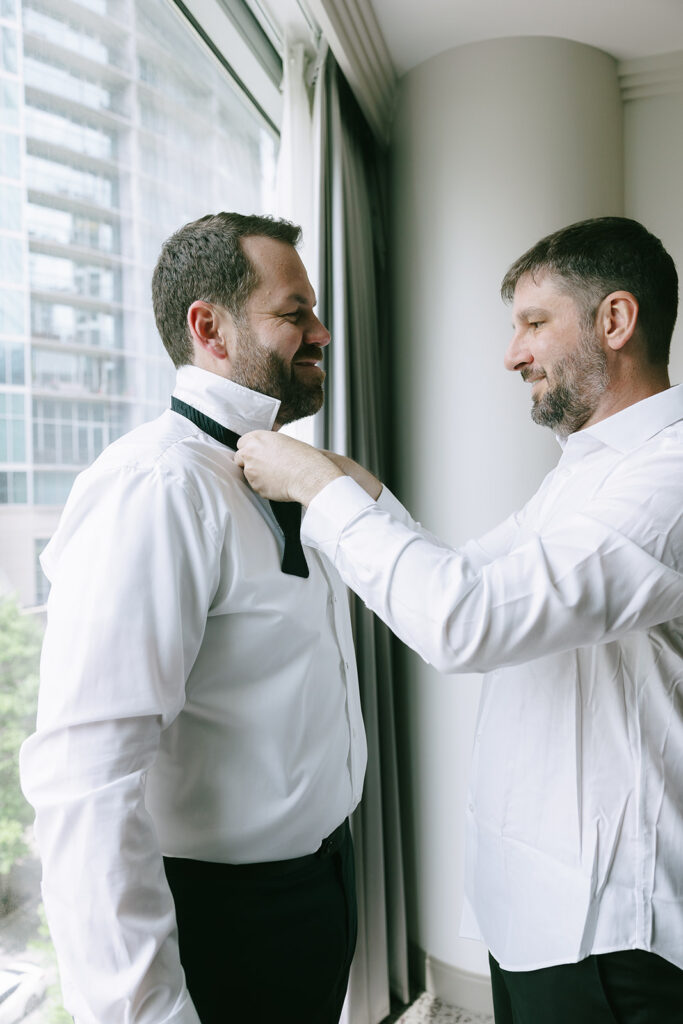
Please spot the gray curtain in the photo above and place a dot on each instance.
(352, 276)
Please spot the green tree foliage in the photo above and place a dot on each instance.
(20, 640)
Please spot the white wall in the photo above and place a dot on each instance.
(495, 145)
(653, 160)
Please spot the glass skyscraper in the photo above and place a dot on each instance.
(117, 126)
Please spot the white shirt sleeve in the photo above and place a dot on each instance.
(493, 544)
(591, 576)
(133, 570)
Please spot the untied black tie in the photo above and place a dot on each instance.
(287, 513)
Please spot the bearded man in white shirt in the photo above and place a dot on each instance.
(574, 609)
(199, 744)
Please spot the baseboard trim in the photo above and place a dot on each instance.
(452, 985)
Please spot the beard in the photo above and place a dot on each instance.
(263, 370)
(578, 382)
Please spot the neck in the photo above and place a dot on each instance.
(633, 386)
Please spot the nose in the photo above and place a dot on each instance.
(517, 356)
(316, 333)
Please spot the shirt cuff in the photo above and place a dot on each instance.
(388, 502)
(331, 511)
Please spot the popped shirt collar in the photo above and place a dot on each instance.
(236, 407)
(631, 427)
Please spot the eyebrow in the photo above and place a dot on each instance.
(301, 300)
(532, 313)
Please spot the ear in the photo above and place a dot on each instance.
(206, 326)
(617, 318)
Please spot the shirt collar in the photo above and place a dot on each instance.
(235, 407)
(633, 426)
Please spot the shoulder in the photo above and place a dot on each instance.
(642, 496)
(167, 462)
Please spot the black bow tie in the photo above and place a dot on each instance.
(287, 513)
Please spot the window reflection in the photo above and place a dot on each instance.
(50, 76)
(9, 155)
(55, 321)
(12, 320)
(8, 49)
(13, 488)
(57, 273)
(70, 228)
(67, 180)
(75, 432)
(72, 134)
(116, 127)
(12, 428)
(78, 373)
(9, 103)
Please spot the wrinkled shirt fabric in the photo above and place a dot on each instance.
(573, 607)
(195, 701)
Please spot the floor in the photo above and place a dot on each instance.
(429, 1010)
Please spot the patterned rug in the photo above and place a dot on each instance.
(429, 1010)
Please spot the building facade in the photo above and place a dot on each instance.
(109, 141)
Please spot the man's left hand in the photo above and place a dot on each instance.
(282, 468)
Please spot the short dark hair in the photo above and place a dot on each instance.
(593, 258)
(205, 260)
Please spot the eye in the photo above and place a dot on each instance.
(535, 323)
(292, 315)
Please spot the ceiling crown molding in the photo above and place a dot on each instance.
(651, 76)
(354, 36)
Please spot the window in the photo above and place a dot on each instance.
(12, 488)
(12, 428)
(12, 320)
(12, 363)
(74, 432)
(42, 582)
(117, 125)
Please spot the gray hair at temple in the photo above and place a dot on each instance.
(592, 258)
(205, 260)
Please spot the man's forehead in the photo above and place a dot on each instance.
(260, 246)
(279, 268)
(539, 289)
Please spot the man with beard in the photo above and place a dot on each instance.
(574, 609)
(199, 744)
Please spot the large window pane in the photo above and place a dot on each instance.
(117, 126)
(10, 207)
(12, 428)
(9, 155)
(71, 228)
(12, 363)
(11, 254)
(9, 103)
(12, 320)
(8, 49)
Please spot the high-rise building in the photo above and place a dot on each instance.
(117, 125)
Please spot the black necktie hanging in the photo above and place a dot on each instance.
(287, 513)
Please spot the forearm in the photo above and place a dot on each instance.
(108, 905)
(551, 593)
(367, 480)
(132, 567)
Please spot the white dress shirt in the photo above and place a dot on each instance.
(574, 608)
(195, 701)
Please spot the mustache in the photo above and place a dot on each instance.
(310, 352)
(531, 375)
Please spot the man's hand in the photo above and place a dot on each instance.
(283, 469)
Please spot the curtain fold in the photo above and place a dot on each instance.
(332, 181)
(352, 260)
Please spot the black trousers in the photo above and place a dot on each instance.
(268, 942)
(629, 987)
